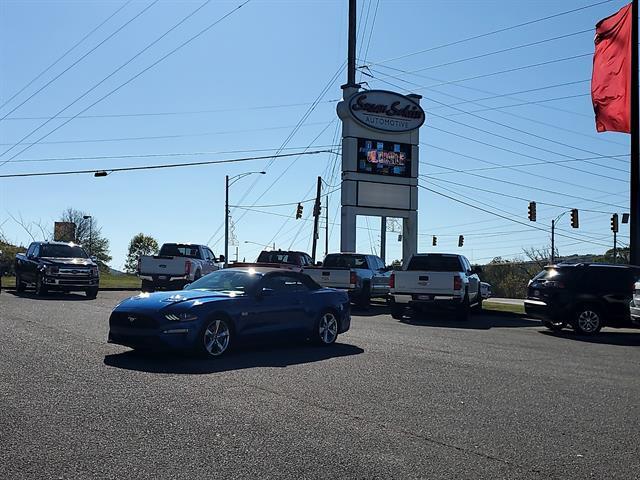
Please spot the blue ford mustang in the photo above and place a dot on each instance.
(228, 306)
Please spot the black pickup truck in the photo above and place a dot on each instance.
(57, 266)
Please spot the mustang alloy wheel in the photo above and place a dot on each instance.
(327, 329)
(216, 338)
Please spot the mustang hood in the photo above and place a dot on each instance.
(160, 300)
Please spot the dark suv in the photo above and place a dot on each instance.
(585, 296)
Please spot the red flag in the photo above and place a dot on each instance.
(611, 79)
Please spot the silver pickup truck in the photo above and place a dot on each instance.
(363, 276)
(436, 280)
(176, 265)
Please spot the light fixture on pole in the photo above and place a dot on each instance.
(228, 182)
(90, 218)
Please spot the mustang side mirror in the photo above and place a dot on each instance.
(186, 286)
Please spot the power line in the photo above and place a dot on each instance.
(155, 155)
(499, 215)
(161, 137)
(67, 52)
(154, 167)
(184, 112)
(78, 61)
(521, 142)
(186, 42)
(494, 32)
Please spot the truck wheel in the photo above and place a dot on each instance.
(197, 276)
(397, 311)
(364, 299)
(91, 292)
(41, 289)
(463, 312)
(147, 286)
(20, 285)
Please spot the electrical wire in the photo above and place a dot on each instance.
(111, 92)
(67, 52)
(154, 167)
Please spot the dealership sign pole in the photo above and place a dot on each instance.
(380, 137)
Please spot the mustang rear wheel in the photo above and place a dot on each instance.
(327, 330)
(216, 338)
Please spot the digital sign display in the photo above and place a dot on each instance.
(384, 158)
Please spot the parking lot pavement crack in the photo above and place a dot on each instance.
(388, 426)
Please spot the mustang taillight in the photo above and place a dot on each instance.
(187, 267)
(457, 283)
(392, 281)
(353, 278)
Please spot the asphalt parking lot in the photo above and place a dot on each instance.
(497, 397)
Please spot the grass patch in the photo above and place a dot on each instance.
(106, 281)
(490, 306)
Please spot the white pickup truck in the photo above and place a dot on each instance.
(176, 265)
(362, 276)
(436, 279)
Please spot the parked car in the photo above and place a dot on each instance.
(230, 306)
(57, 266)
(176, 265)
(436, 280)
(584, 296)
(362, 276)
(634, 305)
(485, 290)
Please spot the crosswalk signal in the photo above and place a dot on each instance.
(460, 240)
(434, 241)
(299, 211)
(614, 223)
(574, 218)
(532, 211)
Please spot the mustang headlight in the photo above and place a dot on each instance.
(181, 317)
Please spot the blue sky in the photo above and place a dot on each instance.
(241, 88)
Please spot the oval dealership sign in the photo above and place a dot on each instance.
(386, 111)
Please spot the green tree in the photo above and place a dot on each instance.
(8, 256)
(89, 235)
(139, 245)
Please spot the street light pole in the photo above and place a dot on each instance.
(226, 221)
(227, 183)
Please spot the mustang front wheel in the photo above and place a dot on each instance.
(327, 330)
(216, 338)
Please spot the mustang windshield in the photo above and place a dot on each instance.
(226, 281)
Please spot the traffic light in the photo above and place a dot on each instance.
(317, 209)
(614, 223)
(625, 218)
(574, 218)
(434, 241)
(299, 211)
(460, 240)
(532, 211)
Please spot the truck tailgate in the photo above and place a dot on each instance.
(331, 277)
(436, 283)
(170, 266)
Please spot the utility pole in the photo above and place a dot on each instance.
(635, 143)
(383, 238)
(316, 218)
(326, 230)
(615, 247)
(226, 221)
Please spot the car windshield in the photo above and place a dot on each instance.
(177, 250)
(345, 261)
(436, 263)
(62, 251)
(226, 281)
